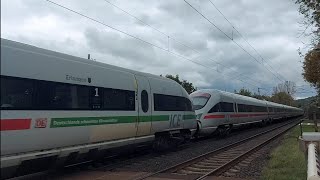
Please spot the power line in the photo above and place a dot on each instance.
(229, 37)
(167, 35)
(137, 38)
(244, 38)
(164, 34)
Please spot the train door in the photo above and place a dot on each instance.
(233, 118)
(144, 106)
(227, 107)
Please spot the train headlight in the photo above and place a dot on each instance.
(198, 116)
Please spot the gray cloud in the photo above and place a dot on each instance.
(270, 26)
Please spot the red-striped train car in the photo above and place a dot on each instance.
(219, 111)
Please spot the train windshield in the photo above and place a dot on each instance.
(200, 100)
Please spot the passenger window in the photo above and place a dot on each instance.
(171, 103)
(16, 93)
(144, 101)
(115, 99)
(226, 107)
(188, 105)
(215, 108)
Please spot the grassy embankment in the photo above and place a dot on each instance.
(287, 161)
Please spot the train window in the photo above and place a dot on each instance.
(144, 101)
(199, 101)
(226, 107)
(96, 97)
(20, 93)
(51, 95)
(115, 99)
(188, 104)
(16, 93)
(168, 103)
(215, 108)
(249, 108)
(242, 108)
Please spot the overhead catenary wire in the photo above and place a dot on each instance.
(244, 38)
(229, 38)
(164, 34)
(137, 38)
(172, 38)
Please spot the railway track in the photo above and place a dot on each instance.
(197, 168)
(217, 162)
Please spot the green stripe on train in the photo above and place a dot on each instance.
(190, 116)
(154, 118)
(90, 121)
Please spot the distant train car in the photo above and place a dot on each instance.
(218, 111)
(60, 107)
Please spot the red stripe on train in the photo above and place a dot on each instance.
(239, 115)
(14, 124)
(213, 116)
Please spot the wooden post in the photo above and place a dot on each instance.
(315, 121)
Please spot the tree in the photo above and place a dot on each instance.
(244, 92)
(247, 92)
(283, 98)
(188, 86)
(262, 97)
(310, 9)
(283, 93)
(311, 68)
(288, 87)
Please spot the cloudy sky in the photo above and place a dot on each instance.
(171, 37)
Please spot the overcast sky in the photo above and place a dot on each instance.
(271, 27)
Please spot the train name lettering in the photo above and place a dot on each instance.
(41, 123)
(175, 120)
(78, 79)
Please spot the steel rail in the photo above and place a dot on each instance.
(194, 160)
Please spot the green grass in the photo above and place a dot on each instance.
(308, 129)
(287, 162)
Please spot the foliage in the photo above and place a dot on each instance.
(247, 92)
(283, 93)
(288, 87)
(188, 86)
(311, 68)
(310, 9)
(244, 92)
(305, 103)
(262, 97)
(283, 98)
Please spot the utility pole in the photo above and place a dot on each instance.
(259, 91)
(287, 85)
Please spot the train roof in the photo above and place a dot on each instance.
(241, 97)
(34, 49)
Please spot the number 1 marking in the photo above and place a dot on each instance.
(96, 89)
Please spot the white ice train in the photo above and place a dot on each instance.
(60, 109)
(218, 111)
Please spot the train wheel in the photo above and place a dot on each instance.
(224, 131)
(262, 123)
(161, 143)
